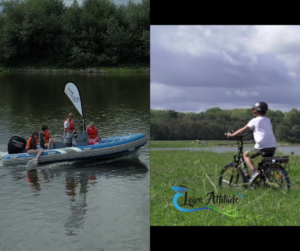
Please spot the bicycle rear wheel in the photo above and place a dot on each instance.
(232, 176)
(277, 177)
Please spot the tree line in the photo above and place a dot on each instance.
(96, 32)
(214, 122)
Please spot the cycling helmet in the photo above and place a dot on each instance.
(260, 107)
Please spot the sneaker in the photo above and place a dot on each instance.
(253, 177)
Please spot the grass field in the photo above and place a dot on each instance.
(204, 143)
(199, 172)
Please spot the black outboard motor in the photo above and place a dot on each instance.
(16, 144)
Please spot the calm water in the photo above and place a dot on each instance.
(85, 205)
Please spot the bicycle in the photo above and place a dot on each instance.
(271, 172)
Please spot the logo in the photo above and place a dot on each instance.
(71, 94)
(211, 198)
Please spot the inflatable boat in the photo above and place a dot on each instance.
(107, 148)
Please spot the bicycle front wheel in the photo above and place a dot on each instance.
(232, 177)
(277, 177)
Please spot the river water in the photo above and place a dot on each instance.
(83, 205)
(283, 149)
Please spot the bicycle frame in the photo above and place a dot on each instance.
(239, 160)
(272, 173)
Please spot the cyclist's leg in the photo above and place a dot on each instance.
(249, 155)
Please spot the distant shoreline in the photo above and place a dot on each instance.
(78, 70)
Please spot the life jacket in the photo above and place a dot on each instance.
(93, 132)
(71, 124)
(28, 143)
(47, 136)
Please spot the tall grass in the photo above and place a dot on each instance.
(199, 171)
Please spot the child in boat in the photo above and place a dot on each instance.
(32, 146)
(45, 137)
(93, 134)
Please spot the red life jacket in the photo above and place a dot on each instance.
(28, 143)
(71, 124)
(92, 132)
(47, 136)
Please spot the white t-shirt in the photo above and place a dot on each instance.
(67, 134)
(263, 132)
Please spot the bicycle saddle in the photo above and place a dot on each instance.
(267, 154)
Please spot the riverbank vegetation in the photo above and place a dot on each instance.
(199, 172)
(97, 33)
(213, 123)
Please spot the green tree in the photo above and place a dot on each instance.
(292, 117)
(282, 132)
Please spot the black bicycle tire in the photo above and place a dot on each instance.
(285, 176)
(222, 172)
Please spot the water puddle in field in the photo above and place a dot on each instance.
(283, 149)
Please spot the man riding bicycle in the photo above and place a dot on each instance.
(263, 136)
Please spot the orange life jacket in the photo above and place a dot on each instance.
(47, 136)
(71, 124)
(93, 132)
(28, 143)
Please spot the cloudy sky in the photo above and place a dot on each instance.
(194, 68)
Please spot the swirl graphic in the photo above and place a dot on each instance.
(178, 194)
(229, 211)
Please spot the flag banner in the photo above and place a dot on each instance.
(73, 93)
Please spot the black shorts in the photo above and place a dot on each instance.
(254, 152)
(43, 145)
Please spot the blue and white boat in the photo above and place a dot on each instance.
(107, 148)
(111, 147)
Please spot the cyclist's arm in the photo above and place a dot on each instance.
(238, 132)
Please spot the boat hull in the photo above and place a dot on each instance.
(107, 148)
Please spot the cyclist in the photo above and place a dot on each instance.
(263, 136)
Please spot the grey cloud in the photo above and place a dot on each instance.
(230, 71)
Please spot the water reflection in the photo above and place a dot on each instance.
(79, 180)
(33, 180)
(77, 206)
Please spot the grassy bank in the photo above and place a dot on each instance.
(199, 172)
(118, 70)
(205, 143)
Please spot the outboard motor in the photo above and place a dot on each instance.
(16, 144)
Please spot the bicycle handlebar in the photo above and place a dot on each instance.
(241, 135)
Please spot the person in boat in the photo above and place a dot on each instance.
(69, 129)
(32, 146)
(93, 133)
(45, 137)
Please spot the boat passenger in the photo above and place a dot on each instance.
(45, 137)
(93, 133)
(32, 146)
(69, 129)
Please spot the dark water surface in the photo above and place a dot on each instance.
(84, 205)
